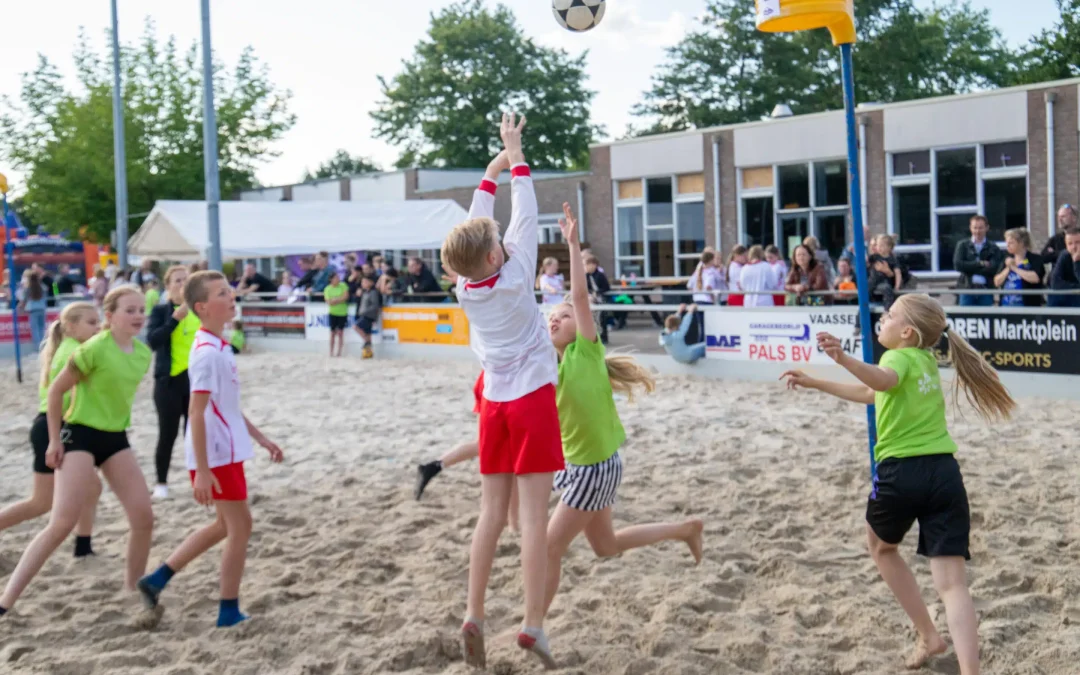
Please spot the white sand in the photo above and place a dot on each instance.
(347, 574)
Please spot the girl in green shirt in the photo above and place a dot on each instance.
(916, 475)
(78, 322)
(105, 372)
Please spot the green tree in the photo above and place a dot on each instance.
(443, 107)
(728, 71)
(1054, 54)
(342, 164)
(63, 139)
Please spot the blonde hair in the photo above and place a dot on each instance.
(756, 253)
(1021, 235)
(672, 322)
(112, 301)
(887, 240)
(812, 243)
(466, 247)
(707, 257)
(58, 330)
(974, 376)
(173, 270)
(195, 290)
(543, 269)
(625, 373)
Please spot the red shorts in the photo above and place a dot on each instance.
(478, 392)
(521, 436)
(232, 480)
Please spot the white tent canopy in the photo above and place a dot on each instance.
(178, 230)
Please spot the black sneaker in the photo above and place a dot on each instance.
(424, 474)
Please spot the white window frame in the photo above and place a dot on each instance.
(811, 212)
(548, 230)
(646, 228)
(981, 176)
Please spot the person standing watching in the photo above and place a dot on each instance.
(978, 261)
(1023, 271)
(171, 332)
(1067, 217)
(1066, 273)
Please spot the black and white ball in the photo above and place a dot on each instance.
(578, 15)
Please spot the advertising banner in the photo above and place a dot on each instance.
(1028, 342)
(273, 321)
(317, 325)
(779, 337)
(425, 325)
(7, 329)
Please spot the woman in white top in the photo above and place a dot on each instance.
(550, 282)
(757, 278)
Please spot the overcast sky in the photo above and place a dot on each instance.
(329, 52)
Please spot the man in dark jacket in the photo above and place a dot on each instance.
(1066, 273)
(977, 260)
(599, 288)
(421, 280)
(1066, 219)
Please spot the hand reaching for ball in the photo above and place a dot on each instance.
(510, 132)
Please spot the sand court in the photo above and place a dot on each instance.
(347, 574)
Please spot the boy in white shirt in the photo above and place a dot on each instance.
(518, 420)
(217, 442)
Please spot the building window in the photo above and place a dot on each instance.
(548, 229)
(660, 225)
(809, 200)
(933, 194)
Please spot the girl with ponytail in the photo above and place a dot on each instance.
(78, 322)
(917, 476)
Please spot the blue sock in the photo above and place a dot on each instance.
(229, 613)
(160, 577)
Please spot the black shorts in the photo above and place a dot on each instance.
(365, 324)
(338, 322)
(39, 441)
(929, 489)
(101, 444)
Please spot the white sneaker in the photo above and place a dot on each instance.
(161, 492)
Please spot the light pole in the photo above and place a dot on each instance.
(210, 148)
(119, 156)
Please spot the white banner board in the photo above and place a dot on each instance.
(778, 336)
(317, 325)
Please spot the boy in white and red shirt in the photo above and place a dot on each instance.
(518, 420)
(217, 442)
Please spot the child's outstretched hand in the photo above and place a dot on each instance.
(276, 453)
(831, 345)
(568, 224)
(510, 132)
(797, 378)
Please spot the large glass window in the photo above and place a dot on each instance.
(933, 194)
(758, 212)
(660, 198)
(793, 229)
(691, 217)
(660, 225)
(956, 180)
(794, 186)
(631, 231)
(911, 215)
(832, 232)
(830, 184)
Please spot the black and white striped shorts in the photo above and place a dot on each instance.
(592, 487)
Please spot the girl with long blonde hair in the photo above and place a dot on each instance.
(105, 372)
(78, 322)
(917, 476)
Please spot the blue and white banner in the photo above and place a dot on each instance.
(781, 336)
(317, 325)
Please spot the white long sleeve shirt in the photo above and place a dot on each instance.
(508, 331)
(758, 276)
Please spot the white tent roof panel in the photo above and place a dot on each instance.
(178, 230)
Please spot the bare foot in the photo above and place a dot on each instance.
(694, 541)
(924, 651)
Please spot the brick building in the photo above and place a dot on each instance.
(651, 204)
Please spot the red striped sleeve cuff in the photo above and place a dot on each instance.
(488, 186)
(519, 170)
(201, 391)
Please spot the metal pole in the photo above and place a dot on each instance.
(9, 250)
(860, 243)
(210, 148)
(119, 155)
